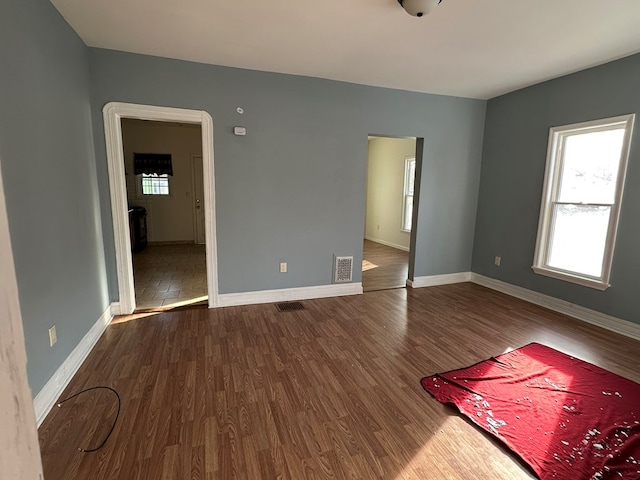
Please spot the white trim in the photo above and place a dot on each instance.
(115, 309)
(46, 398)
(112, 113)
(554, 165)
(584, 281)
(435, 280)
(617, 325)
(388, 244)
(288, 294)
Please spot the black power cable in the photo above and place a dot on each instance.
(87, 450)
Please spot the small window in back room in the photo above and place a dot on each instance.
(584, 179)
(154, 184)
(409, 183)
(154, 170)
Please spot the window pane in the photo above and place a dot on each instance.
(411, 176)
(408, 212)
(591, 164)
(578, 238)
(155, 185)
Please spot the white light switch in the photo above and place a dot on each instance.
(240, 131)
(496, 261)
(283, 267)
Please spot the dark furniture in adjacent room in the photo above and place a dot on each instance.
(138, 225)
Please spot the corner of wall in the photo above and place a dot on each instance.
(46, 398)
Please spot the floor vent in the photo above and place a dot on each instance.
(343, 270)
(289, 306)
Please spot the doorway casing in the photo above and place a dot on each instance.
(113, 113)
(418, 155)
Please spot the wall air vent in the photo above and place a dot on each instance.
(343, 270)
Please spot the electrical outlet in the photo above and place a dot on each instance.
(53, 336)
(283, 267)
(496, 261)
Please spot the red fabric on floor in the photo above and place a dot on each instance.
(566, 418)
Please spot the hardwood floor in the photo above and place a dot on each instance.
(328, 392)
(383, 267)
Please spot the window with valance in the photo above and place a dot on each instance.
(152, 164)
(154, 170)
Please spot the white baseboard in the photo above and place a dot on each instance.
(617, 325)
(435, 280)
(115, 309)
(388, 244)
(46, 398)
(288, 294)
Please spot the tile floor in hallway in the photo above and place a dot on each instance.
(169, 275)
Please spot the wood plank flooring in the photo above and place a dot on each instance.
(383, 267)
(328, 392)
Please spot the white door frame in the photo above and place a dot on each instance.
(112, 113)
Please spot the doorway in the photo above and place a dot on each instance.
(389, 218)
(113, 114)
(164, 185)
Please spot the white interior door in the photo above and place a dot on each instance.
(198, 199)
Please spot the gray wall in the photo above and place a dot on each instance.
(294, 189)
(513, 163)
(48, 168)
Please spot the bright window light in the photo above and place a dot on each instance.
(584, 179)
(409, 185)
(154, 184)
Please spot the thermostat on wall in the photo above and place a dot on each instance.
(239, 130)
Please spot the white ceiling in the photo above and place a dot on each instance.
(467, 48)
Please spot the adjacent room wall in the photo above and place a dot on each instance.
(49, 174)
(513, 164)
(385, 190)
(294, 188)
(169, 218)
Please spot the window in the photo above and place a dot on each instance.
(154, 170)
(584, 179)
(154, 184)
(409, 182)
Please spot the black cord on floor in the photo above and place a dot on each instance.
(114, 421)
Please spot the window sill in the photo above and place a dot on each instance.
(585, 282)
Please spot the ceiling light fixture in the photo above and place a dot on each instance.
(418, 8)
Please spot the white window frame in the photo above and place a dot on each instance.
(405, 193)
(141, 193)
(553, 170)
